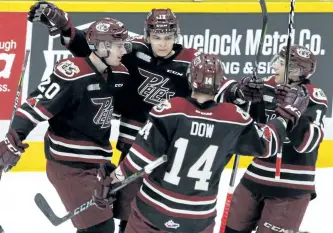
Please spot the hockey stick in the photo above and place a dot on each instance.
(55, 220)
(17, 97)
(237, 157)
(290, 28)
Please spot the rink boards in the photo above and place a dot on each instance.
(34, 160)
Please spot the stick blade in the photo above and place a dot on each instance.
(46, 209)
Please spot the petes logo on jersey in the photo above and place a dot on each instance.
(171, 224)
(153, 88)
(104, 114)
(319, 94)
(165, 104)
(68, 68)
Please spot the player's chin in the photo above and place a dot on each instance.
(115, 62)
(279, 79)
(162, 53)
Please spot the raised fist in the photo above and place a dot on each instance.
(252, 88)
(50, 15)
(292, 102)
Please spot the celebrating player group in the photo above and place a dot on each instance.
(177, 102)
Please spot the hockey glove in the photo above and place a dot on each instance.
(50, 15)
(251, 88)
(11, 149)
(101, 194)
(247, 89)
(281, 92)
(291, 103)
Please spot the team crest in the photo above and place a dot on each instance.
(164, 105)
(68, 68)
(103, 27)
(319, 94)
(303, 52)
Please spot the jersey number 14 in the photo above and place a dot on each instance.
(206, 161)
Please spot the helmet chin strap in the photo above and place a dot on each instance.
(290, 81)
(103, 58)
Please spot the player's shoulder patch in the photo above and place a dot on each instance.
(187, 55)
(72, 68)
(120, 69)
(316, 94)
(270, 81)
(233, 114)
(169, 106)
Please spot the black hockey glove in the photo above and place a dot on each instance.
(11, 149)
(247, 89)
(101, 194)
(50, 15)
(292, 102)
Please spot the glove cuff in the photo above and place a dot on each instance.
(235, 95)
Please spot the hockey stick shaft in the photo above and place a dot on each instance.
(262, 36)
(17, 96)
(290, 29)
(19, 88)
(231, 188)
(230, 193)
(55, 220)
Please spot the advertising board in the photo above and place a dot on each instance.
(12, 49)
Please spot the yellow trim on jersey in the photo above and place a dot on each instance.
(191, 7)
(34, 160)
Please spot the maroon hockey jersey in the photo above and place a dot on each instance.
(198, 140)
(300, 149)
(154, 79)
(77, 101)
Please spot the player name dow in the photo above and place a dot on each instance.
(202, 129)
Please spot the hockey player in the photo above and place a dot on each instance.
(197, 134)
(77, 100)
(159, 66)
(157, 63)
(261, 200)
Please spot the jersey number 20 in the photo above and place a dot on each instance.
(48, 88)
(206, 161)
